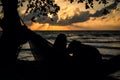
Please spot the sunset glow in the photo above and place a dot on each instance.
(75, 17)
(37, 26)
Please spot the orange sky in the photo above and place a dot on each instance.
(75, 17)
(107, 22)
(79, 18)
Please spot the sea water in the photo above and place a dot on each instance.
(107, 42)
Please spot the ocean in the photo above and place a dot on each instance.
(107, 42)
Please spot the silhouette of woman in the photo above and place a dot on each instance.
(59, 47)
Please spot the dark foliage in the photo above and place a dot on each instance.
(45, 7)
(40, 8)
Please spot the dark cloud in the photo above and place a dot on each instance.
(41, 19)
(84, 16)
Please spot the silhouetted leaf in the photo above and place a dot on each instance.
(91, 5)
(27, 10)
(33, 19)
(105, 12)
(80, 1)
(71, 1)
(90, 1)
(29, 1)
(104, 1)
(21, 5)
(86, 6)
(51, 19)
(44, 14)
(23, 0)
(31, 11)
(57, 8)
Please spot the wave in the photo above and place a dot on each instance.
(107, 47)
(100, 41)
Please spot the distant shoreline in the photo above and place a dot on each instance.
(74, 30)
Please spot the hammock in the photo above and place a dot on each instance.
(40, 47)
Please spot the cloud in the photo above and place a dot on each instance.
(107, 22)
(84, 16)
(68, 19)
(74, 16)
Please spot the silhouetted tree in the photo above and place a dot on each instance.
(15, 34)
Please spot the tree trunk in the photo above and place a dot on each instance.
(9, 41)
(14, 34)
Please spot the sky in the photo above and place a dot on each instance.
(75, 17)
